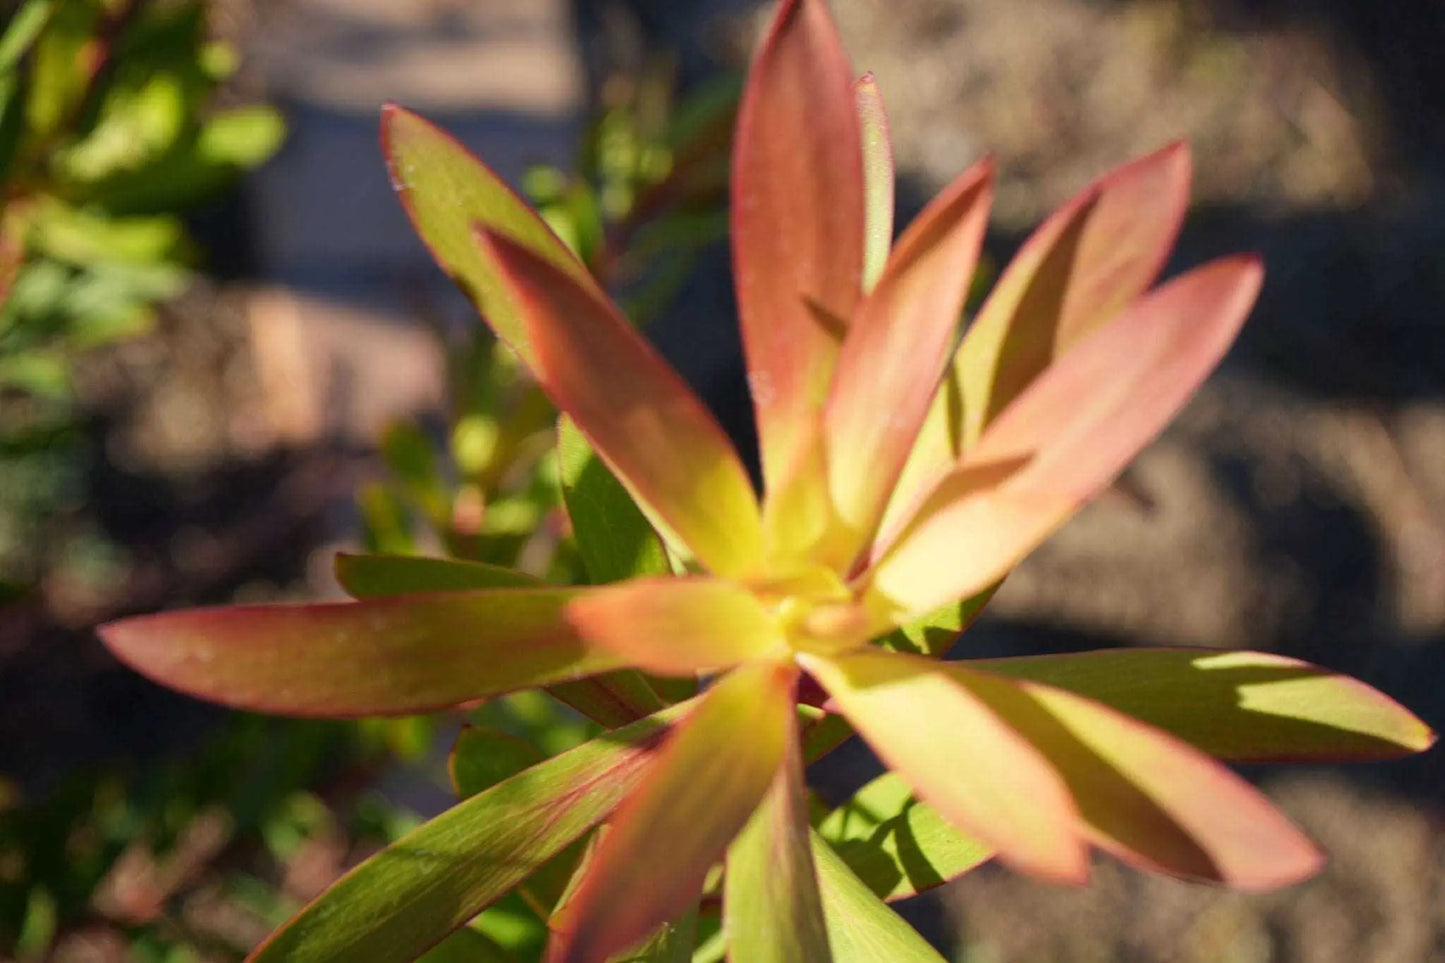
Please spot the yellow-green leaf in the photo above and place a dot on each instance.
(772, 912)
(861, 929)
(1237, 706)
(613, 536)
(677, 626)
(378, 576)
(897, 845)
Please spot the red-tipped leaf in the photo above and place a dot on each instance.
(897, 348)
(969, 763)
(636, 412)
(1072, 432)
(704, 785)
(382, 656)
(447, 192)
(797, 222)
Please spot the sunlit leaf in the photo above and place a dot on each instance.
(635, 411)
(1237, 706)
(1077, 271)
(965, 761)
(704, 785)
(771, 908)
(611, 699)
(379, 656)
(1147, 797)
(897, 845)
(798, 221)
(896, 350)
(431, 881)
(1075, 428)
(861, 929)
(677, 626)
(877, 179)
(447, 192)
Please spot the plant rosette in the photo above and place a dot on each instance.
(902, 479)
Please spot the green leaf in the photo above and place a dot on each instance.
(241, 138)
(672, 943)
(897, 845)
(377, 576)
(431, 881)
(411, 456)
(1237, 706)
(861, 929)
(934, 634)
(467, 945)
(22, 31)
(483, 757)
(614, 538)
(772, 911)
(877, 179)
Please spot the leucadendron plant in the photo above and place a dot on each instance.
(902, 479)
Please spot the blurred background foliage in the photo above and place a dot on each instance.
(108, 135)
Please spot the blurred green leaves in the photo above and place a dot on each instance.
(108, 134)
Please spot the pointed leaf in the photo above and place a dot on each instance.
(772, 911)
(877, 179)
(611, 699)
(704, 785)
(1071, 433)
(635, 411)
(677, 626)
(391, 655)
(975, 769)
(1237, 706)
(447, 192)
(797, 221)
(613, 536)
(1147, 797)
(896, 350)
(935, 633)
(377, 576)
(431, 881)
(1080, 269)
(861, 929)
(897, 845)
(671, 943)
